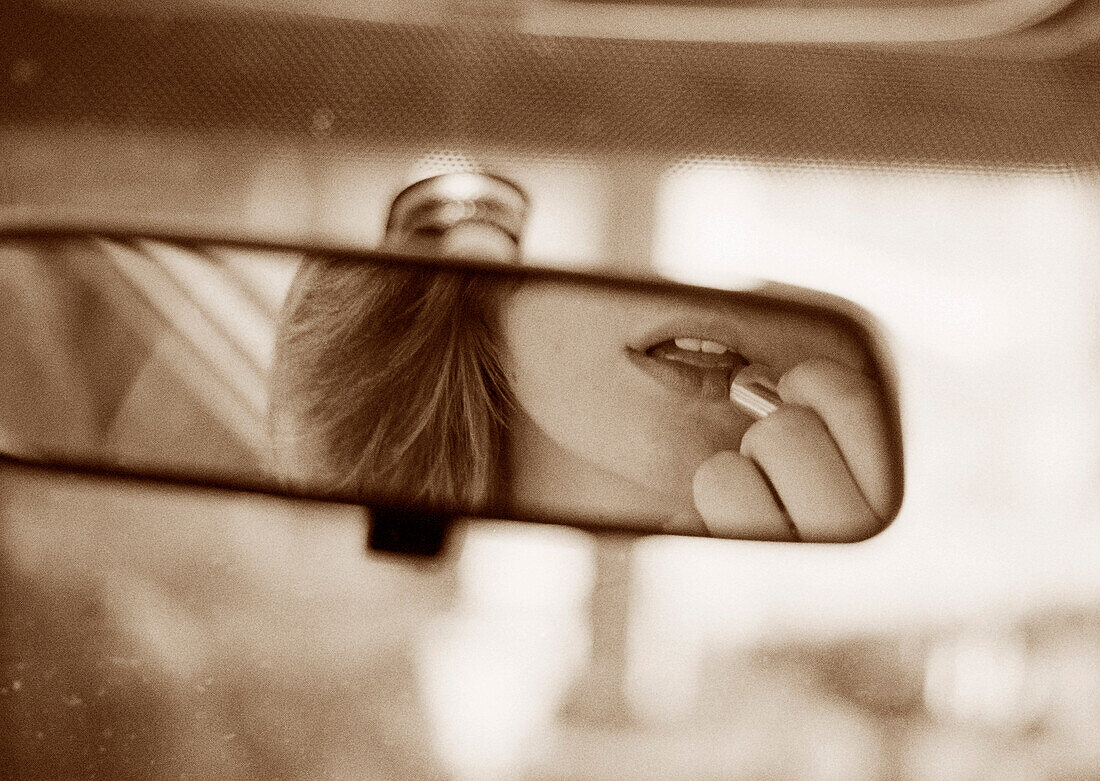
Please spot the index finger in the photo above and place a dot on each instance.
(853, 409)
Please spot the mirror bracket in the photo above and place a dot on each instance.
(412, 533)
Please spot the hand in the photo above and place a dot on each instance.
(820, 468)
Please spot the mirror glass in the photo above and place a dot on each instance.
(489, 388)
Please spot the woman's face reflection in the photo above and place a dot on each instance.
(622, 396)
(622, 407)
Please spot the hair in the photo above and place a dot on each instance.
(387, 383)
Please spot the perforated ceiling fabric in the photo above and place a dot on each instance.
(391, 85)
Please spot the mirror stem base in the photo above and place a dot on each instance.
(407, 532)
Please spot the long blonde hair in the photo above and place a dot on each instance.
(387, 383)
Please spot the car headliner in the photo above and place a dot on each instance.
(319, 81)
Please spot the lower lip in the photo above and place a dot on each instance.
(694, 382)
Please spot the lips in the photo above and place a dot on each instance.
(691, 366)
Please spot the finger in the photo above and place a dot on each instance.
(736, 501)
(852, 407)
(794, 449)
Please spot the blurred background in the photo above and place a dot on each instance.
(170, 633)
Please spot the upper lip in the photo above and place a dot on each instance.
(711, 329)
(706, 381)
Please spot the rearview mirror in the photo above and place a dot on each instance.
(449, 387)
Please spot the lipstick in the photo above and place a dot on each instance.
(754, 390)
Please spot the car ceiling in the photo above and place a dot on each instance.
(380, 84)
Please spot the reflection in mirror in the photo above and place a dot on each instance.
(489, 389)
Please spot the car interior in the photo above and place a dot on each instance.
(923, 172)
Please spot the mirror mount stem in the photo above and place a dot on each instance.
(407, 532)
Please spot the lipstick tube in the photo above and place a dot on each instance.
(755, 391)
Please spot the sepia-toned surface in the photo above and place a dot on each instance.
(953, 196)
